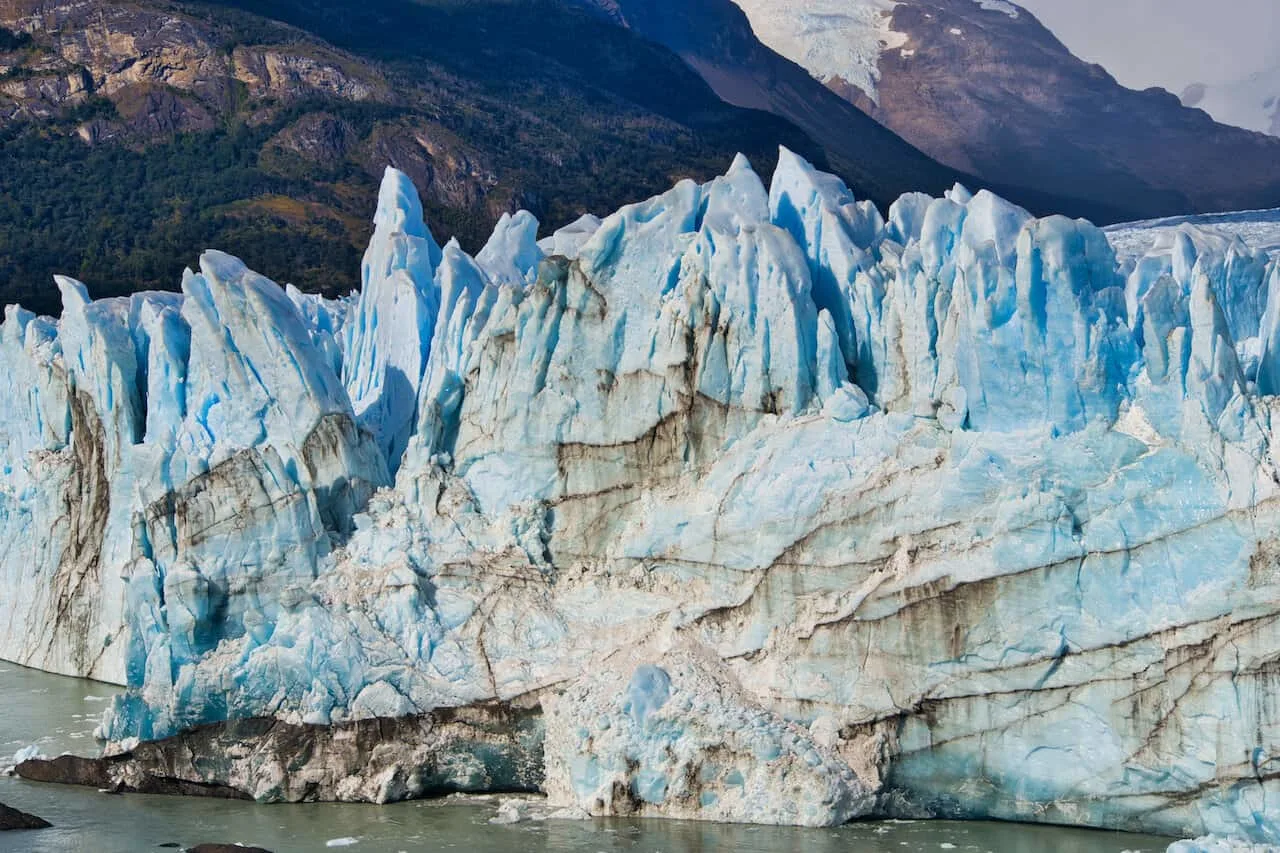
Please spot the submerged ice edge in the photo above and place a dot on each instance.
(948, 513)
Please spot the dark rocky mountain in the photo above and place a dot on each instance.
(716, 39)
(1005, 96)
(985, 88)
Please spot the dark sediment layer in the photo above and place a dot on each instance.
(485, 749)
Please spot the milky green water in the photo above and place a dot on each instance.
(59, 715)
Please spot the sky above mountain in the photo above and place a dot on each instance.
(1169, 43)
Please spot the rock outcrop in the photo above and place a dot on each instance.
(165, 69)
(12, 819)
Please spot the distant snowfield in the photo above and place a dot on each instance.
(1252, 103)
(838, 39)
(1259, 228)
(831, 39)
(999, 6)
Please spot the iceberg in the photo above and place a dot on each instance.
(945, 514)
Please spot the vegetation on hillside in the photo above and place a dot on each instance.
(568, 113)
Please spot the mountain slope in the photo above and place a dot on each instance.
(715, 38)
(984, 87)
(136, 133)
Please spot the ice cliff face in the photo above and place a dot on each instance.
(174, 467)
(945, 514)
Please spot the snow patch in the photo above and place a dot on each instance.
(999, 6)
(1252, 103)
(834, 40)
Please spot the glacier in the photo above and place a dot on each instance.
(763, 505)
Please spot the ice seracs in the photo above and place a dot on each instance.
(948, 513)
(389, 335)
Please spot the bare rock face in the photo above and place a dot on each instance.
(981, 87)
(996, 93)
(321, 138)
(11, 819)
(113, 49)
(165, 72)
(293, 74)
(450, 171)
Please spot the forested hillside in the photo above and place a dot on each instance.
(135, 134)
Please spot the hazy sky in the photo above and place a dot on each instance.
(1170, 43)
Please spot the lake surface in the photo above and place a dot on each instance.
(59, 715)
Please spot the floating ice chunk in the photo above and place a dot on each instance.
(511, 811)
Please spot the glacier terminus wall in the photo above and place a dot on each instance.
(761, 505)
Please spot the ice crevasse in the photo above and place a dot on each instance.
(947, 513)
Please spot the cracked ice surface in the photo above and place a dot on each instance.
(951, 502)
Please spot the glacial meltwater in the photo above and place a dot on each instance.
(59, 714)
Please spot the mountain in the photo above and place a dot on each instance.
(138, 132)
(715, 38)
(982, 86)
(746, 504)
(1252, 103)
